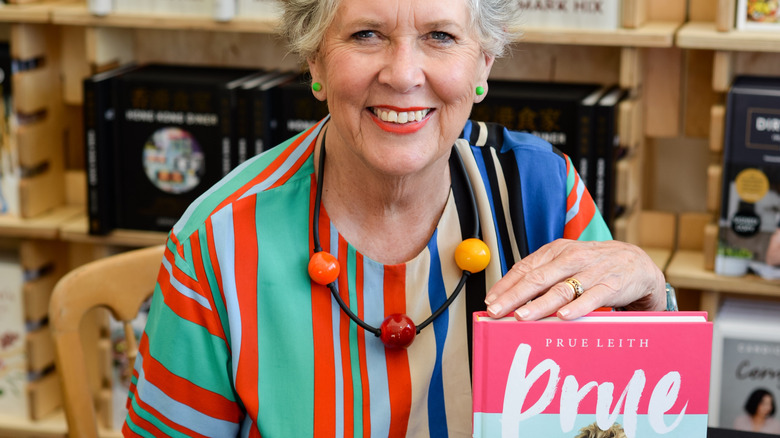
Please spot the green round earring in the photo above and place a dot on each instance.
(316, 86)
(480, 91)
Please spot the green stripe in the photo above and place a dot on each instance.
(285, 343)
(205, 350)
(569, 177)
(208, 267)
(596, 230)
(151, 419)
(357, 384)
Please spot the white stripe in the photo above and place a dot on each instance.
(376, 362)
(505, 203)
(225, 247)
(338, 366)
(184, 290)
(576, 207)
(483, 134)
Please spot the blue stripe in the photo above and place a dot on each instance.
(184, 290)
(224, 235)
(437, 295)
(376, 363)
(477, 152)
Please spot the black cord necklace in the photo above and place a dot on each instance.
(397, 330)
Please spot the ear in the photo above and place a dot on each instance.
(483, 75)
(316, 70)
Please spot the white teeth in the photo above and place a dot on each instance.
(400, 117)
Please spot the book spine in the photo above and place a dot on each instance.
(224, 10)
(98, 142)
(584, 163)
(478, 371)
(101, 7)
(227, 136)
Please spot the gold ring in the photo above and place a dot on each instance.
(576, 287)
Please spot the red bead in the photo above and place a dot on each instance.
(323, 268)
(397, 331)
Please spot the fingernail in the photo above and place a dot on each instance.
(522, 313)
(489, 300)
(495, 309)
(563, 312)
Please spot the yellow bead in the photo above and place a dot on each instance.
(472, 255)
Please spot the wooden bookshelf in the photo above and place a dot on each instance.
(651, 34)
(31, 13)
(43, 226)
(704, 35)
(75, 230)
(53, 426)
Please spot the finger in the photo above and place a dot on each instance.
(520, 269)
(545, 305)
(591, 299)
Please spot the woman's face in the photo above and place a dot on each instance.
(400, 78)
(765, 407)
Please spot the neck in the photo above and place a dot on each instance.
(388, 218)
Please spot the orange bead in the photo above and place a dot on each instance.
(323, 268)
(472, 255)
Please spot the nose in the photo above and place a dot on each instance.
(403, 66)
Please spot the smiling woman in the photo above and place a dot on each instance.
(325, 287)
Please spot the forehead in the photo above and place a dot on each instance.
(403, 12)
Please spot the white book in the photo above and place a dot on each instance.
(763, 15)
(572, 14)
(745, 359)
(100, 7)
(224, 10)
(189, 8)
(13, 357)
(134, 6)
(258, 9)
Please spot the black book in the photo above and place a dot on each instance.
(606, 150)
(99, 111)
(247, 144)
(262, 113)
(296, 109)
(557, 112)
(176, 139)
(750, 203)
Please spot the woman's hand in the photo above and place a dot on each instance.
(612, 273)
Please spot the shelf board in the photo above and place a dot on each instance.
(75, 230)
(651, 34)
(700, 35)
(53, 426)
(44, 226)
(29, 13)
(686, 270)
(79, 15)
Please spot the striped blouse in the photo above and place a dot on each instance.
(240, 342)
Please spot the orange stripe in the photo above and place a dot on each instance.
(361, 340)
(246, 260)
(200, 272)
(181, 389)
(580, 221)
(398, 373)
(213, 259)
(187, 308)
(294, 168)
(322, 327)
(344, 329)
(269, 170)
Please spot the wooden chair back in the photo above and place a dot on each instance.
(120, 283)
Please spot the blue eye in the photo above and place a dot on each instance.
(364, 34)
(441, 36)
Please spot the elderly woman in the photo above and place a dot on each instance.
(316, 290)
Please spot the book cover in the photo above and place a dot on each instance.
(763, 15)
(13, 357)
(745, 365)
(556, 112)
(636, 373)
(749, 238)
(10, 173)
(605, 151)
(262, 113)
(99, 115)
(176, 139)
(573, 14)
(246, 144)
(295, 108)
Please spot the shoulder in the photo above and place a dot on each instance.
(278, 166)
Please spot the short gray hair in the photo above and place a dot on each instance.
(304, 23)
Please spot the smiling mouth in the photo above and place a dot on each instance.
(400, 117)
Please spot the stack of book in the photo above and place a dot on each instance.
(157, 136)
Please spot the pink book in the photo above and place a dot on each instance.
(640, 373)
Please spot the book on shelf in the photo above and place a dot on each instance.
(13, 358)
(176, 131)
(224, 10)
(262, 115)
(763, 15)
(634, 373)
(258, 9)
(100, 138)
(605, 152)
(295, 108)
(560, 113)
(10, 174)
(745, 371)
(572, 14)
(749, 236)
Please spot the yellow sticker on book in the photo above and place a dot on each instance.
(752, 185)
